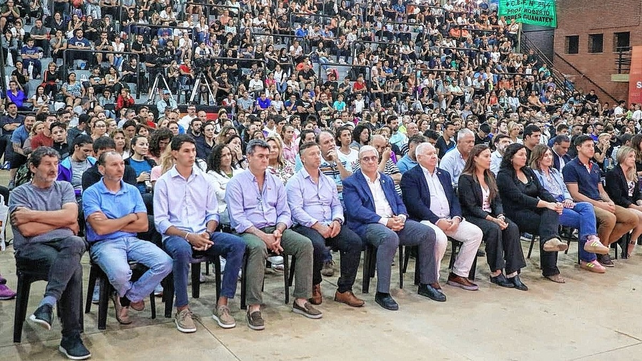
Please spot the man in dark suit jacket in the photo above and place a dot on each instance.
(376, 213)
(560, 152)
(431, 200)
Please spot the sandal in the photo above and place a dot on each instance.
(556, 278)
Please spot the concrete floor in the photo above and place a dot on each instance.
(591, 317)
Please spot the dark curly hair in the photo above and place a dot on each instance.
(214, 159)
(509, 153)
(155, 139)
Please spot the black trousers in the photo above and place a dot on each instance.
(544, 223)
(503, 247)
(350, 246)
(61, 259)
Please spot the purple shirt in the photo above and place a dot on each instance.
(311, 202)
(248, 207)
(187, 204)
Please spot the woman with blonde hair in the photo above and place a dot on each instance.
(515, 130)
(623, 188)
(578, 215)
(277, 165)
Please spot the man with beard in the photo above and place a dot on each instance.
(501, 141)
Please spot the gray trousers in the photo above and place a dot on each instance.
(387, 241)
(293, 244)
(60, 258)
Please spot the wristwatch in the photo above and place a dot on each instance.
(338, 220)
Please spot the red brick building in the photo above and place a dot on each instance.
(587, 39)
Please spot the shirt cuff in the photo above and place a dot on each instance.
(384, 221)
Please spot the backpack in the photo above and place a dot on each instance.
(23, 175)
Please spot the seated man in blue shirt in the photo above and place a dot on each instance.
(409, 160)
(314, 202)
(186, 214)
(377, 214)
(115, 213)
(259, 212)
(584, 182)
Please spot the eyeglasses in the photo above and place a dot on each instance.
(369, 159)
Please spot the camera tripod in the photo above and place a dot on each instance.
(154, 88)
(201, 80)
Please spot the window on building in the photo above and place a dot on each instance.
(596, 43)
(572, 44)
(621, 41)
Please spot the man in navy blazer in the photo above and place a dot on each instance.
(431, 200)
(376, 213)
(560, 152)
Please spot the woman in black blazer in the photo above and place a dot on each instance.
(622, 187)
(532, 207)
(481, 205)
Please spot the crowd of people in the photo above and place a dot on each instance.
(440, 129)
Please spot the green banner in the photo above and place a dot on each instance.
(536, 12)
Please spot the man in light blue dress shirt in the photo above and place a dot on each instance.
(186, 214)
(455, 160)
(317, 211)
(259, 212)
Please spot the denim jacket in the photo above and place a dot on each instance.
(557, 177)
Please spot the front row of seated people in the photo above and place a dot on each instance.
(305, 217)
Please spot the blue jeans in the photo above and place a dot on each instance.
(582, 217)
(113, 257)
(226, 245)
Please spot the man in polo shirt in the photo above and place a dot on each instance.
(583, 179)
(115, 213)
(263, 102)
(409, 160)
(454, 161)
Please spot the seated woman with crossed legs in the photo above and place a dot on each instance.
(578, 215)
(532, 207)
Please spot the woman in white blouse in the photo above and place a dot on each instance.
(219, 166)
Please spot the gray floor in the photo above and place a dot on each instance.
(591, 317)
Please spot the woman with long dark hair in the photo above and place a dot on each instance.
(220, 167)
(532, 207)
(482, 206)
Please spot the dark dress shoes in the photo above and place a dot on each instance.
(501, 281)
(518, 283)
(431, 292)
(386, 301)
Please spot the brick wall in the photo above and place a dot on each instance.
(584, 17)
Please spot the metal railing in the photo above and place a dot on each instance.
(623, 62)
(558, 78)
(90, 51)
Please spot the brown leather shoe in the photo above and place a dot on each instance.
(317, 297)
(348, 298)
(461, 282)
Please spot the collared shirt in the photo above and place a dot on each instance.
(98, 198)
(187, 204)
(248, 206)
(312, 202)
(438, 202)
(561, 158)
(586, 176)
(454, 164)
(382, 207)
(406, 163)
(495, 162)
